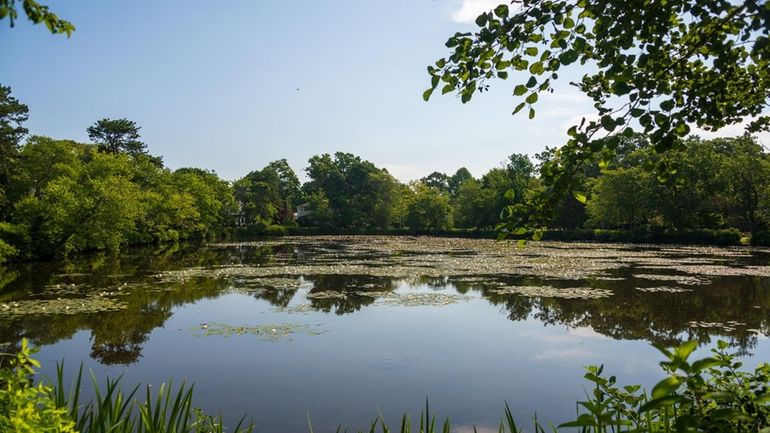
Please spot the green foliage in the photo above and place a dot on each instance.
(36, 13)
(7, 250)
(428, 209)
(69, 197)
(661, 67)
(117, 136)
(707, 184)
(12, 115)
(268, 196)
(359, 193)
(26, 407)
(712, 394)
(622, 198)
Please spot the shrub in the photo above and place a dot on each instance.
(24, 406)
(710, 395)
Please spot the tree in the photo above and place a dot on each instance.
(288, 189)
(621, 198)
(117, 136)
(437, 180)
(661, 66)
(388, 197)
(520, 170)
(259, 196)
(12, 115)
(470, 205)
(36, 13)
(746, 173)
(212, 197)
(346, 182)
(428, 209)
(456, 180)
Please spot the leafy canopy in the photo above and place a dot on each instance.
(658, 66)
(36, 13)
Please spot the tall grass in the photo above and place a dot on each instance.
(427, 424)
(168, 410)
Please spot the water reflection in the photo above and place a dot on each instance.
(652, 299)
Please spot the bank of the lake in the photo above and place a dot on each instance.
(640, 235)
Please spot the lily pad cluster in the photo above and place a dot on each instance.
(267, 332)
(553, 292)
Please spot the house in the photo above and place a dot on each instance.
(303, 210)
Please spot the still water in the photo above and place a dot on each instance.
(341, 328)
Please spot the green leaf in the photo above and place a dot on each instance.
(531, 98)
(704, 363)
(568, 57)
(531, 51)
(608, 123)
(502, 11)
(579, 196)
(481, 20)
(520, 90)
(682, 129)
(531, 113)
(519, 107)
(666, 387)
(448, 88)
(667, 105)
(426, 94)
(685, 349)
(537, 68)
(532, 82)
(719, 396)
(658, 403)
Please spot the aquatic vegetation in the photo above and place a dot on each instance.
(326, 294)
(553, 292)
(679, 279)
(33, 307)
(726, 326)
(578, 284)
(663, 289)
(268, 332)
(415, 299)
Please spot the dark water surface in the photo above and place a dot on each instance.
(341, 327)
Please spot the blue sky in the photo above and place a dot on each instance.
(215, 84)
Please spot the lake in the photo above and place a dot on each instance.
(341, 328)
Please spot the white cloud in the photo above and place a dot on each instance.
(470, 9)
(561, 353)
(586, 332)
(731, 131)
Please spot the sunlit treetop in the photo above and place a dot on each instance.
(657, 66)
(36, 13)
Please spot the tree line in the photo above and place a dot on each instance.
(60, 196)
